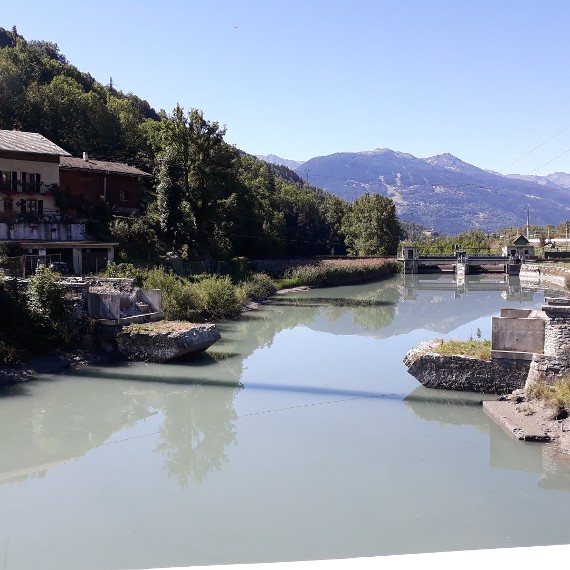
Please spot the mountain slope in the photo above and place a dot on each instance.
(274, 159)
(442, 191)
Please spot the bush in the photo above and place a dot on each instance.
(257, 288)
(557, 396)
(180, 299)
(48, 305)
(219, 298)
(10, 355)
(122, 270)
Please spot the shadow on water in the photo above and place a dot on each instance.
(322, 391)
(149, 377)
(193, 427)
(12, 390)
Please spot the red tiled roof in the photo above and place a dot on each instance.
(72, 163)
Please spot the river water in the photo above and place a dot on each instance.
(299, 436)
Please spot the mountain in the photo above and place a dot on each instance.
(274, 159)
(442, 192)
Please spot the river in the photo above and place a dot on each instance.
(299, 436)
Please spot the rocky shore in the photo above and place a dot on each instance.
(530, 420)
(54, 362)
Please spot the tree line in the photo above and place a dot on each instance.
(207, 199)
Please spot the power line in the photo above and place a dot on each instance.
(537, 147)
(540, 122)
(555, 158)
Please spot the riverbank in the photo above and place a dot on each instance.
(529, 419)
(54, 362)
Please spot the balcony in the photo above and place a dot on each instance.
(26, 187)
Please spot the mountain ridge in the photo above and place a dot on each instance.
(442, 191)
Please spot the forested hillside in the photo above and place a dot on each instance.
(206, 198)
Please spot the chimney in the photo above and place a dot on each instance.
(85, 157)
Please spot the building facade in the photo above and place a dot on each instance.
(29, 212)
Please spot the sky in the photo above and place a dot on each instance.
(485, 80)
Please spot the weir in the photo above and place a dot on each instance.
(463, 263)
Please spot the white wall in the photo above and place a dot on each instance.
(49, 171)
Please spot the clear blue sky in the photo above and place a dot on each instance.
(486, 80)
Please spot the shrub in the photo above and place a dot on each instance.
(219, 298)
(10, 355)
(122, 270)
(48, 305)
(180, 299)
(257, 288)
(557, 396)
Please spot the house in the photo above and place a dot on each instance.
(84, 180)
(521, 248)
(29, 171)
(29, 212)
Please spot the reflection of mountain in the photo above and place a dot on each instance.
(435, 303)
(460, 408)
(394, 306)
(197, 426)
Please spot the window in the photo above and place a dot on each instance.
(31, 206)
(31, 182)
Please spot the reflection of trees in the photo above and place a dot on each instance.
(199, 424)
(63, 424)
(69, 416)
(377, 314)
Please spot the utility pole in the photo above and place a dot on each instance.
(527, 222)
(307, 175)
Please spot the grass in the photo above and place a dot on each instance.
(556, 396)
(330, 272)
(474, 348)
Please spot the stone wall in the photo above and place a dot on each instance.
(554, 360)
(465, 374)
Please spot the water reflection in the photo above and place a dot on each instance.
(196, 432)
(505, 452)
(198, 421)
(301, 428)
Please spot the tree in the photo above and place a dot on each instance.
(170, 197)
(371, 226)
(199, 178)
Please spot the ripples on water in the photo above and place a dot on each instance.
(298, 436)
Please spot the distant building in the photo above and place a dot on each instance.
(521, 248)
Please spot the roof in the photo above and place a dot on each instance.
(19, 141)
(521, 240)
(72, 163)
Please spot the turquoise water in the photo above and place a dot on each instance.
(298, 436)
